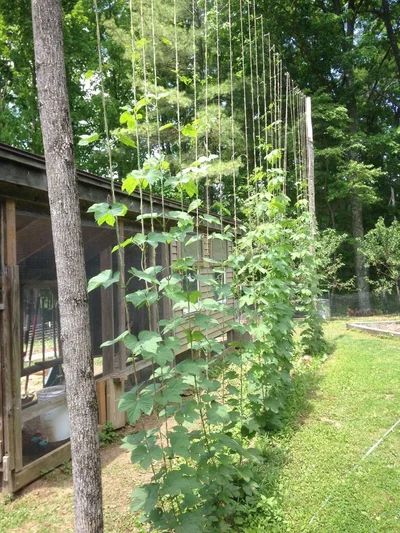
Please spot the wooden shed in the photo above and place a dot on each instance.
(33, 429)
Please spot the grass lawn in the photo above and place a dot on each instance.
(316, 480)
(337, 411)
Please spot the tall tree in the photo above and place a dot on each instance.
(68, 248)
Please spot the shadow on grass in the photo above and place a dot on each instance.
(265, 514)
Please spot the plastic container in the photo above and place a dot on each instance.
(55, 422)
(324, 308)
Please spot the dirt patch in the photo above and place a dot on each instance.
(47, 504)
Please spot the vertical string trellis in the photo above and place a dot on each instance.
(256, 97)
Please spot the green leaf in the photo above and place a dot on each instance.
(143, 102)
(142, 297)
(144, 498)
(221, 236)
(130, 342)
(149, 275)
(193, 367)
(166, 41)
(135, 404)
(123, 244)
(114, 341)
(204, 321)
(180, 442)
(173, 391)
(164, 355)
(211, 219)
(189, 130)
(217, 414)
(148, 216)
(190, 187)
(188, 412)
(89, 74)
(123, 136)
(180, 215)
(134, 179)
(127, 118)
(194, 205)
(167, 126)
(105, 279)
(145, 455)
(176, 482)
(149, 341)
(107, 213)
(85, 140)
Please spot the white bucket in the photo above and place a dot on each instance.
(55, 423)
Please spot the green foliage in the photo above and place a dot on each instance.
(108, 435)
(330, 261)
(381, 248)
(306, 258)
(202, 463)
(265, 284)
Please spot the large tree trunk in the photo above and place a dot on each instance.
(361, 268)
(356, 204)
(68, 248)
(393, 40)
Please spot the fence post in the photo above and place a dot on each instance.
(310, 165)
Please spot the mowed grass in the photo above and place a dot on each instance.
(317, 480)
(314, 478)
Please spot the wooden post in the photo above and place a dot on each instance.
(107, 315)
(122, 353)
(310, 165)
(165, 307)
(10, 351)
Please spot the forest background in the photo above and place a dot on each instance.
(345, 55)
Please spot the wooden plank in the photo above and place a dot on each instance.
(43, 365)
(10, 389)
(165, 306)
(2, 308)
(10, 244)
(101, 401)
(121, 351)
(16, 361)
(130, 370)
(107, 314)
(115, 389)
(42, 465)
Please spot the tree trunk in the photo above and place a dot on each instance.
(387, 20)
(68, 249)
(361, 268)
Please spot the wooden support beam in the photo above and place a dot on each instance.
(107, 315)
(101, 401)
(10, 351)
(310, 165)
(44, 464)
(10, 234)
(37, 367)
(115, 389)
(122, 353)
(16, 350)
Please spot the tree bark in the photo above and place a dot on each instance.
(361, 269)
(68, 249)
(364, 300)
